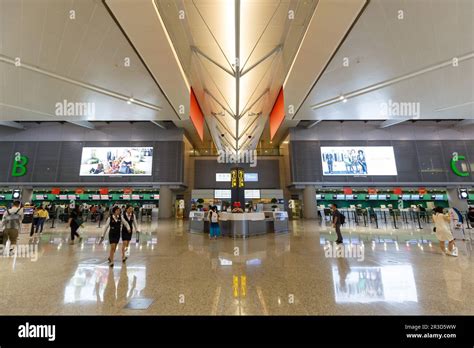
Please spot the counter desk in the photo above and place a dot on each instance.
(241, 225)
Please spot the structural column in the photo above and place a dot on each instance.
(166, 202)
(309, 203)
(27, 195)
(455, 201)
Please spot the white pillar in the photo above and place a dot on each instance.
(310, 210)
(166, 201)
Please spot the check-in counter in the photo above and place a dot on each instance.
(197, 222)
(241, 225)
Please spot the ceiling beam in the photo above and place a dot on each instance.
(464, 123)
(312, 124)
(84, 124)
(11, 124)
(392, 122)
(393, 81)
(91, 87)
(159, 124)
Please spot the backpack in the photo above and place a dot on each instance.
(214, 218)
(12, 221)
(460, 217)
(343, 218)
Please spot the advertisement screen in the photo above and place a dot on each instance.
(358, 160)
(116, 161)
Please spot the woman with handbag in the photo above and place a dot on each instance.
(129, 225)
(443, 232)
(113, 225)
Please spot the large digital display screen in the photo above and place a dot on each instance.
(358, 160)
(116, 161)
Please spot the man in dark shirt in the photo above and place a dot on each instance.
(336, 222)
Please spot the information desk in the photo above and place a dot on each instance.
(241, 224)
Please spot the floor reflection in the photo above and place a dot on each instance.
(99, 283)
(371, 284)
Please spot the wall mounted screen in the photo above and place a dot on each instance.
(251, 177)
(358, 160)
(223, 177)
(222, 194)
(116, 161)
(252, 194)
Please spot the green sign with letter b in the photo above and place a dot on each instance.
(19, 165)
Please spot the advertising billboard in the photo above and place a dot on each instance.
(116, 161)
(358, 160)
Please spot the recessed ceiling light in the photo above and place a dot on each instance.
(344, 100)
(341, 97)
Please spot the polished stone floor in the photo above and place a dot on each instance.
(173, 272)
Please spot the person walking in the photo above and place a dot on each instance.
(214, 223)
(443, 232)
(113, 225)
(129, 225)
(11, 222)
(35, 221)
(74, 222)
(470, 216)
(337, 222)
(43, 215)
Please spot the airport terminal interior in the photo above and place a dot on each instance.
(242, 157)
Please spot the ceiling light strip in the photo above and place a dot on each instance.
(387, 83)
(260, 37)
(170, 43)
(91, 87)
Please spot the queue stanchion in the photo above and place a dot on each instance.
(376, 220)
(384, 217)
(394, 220)
(364, 215)
(405, 216)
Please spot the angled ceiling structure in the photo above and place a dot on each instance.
(235, 55)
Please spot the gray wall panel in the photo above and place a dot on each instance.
(6, 154)
(59, 162)
(417, 161)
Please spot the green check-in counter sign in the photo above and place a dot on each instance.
(454, 165)
(20, 163)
